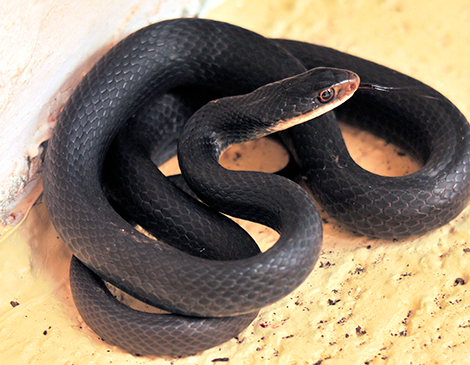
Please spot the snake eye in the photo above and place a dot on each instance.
(326, 95)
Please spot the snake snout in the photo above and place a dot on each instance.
(347, 87)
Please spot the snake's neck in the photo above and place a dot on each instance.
(264, 198)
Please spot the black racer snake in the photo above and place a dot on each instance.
(216, 295)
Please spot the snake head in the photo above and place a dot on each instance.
(308, 95)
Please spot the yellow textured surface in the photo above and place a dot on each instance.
(367, 301)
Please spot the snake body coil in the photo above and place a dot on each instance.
(227, 60)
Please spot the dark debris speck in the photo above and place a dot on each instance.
(360, 331)
(220, 359)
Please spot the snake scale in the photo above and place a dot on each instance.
(216, 289)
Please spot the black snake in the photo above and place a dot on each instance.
(201, 57)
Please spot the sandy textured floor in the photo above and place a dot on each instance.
(367, 301)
